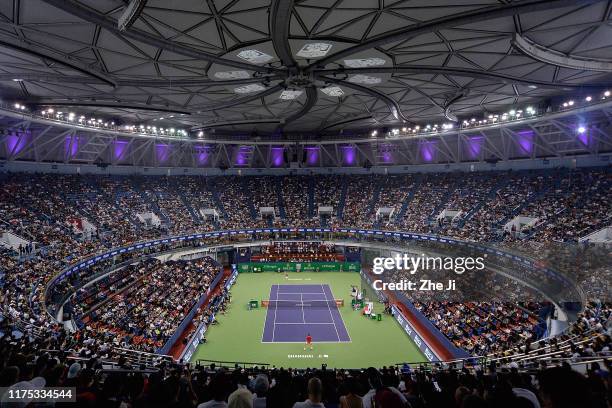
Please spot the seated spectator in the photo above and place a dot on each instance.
(351, 399)
(241, 398)
(315, 395)
(381, 396)
(261, 386)
(218, 388)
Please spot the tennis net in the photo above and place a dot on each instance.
(278, 304)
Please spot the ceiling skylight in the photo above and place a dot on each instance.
(255, 56)
(314, 50)
(249, 88)
(332, 91)
(289, 94)
(364, 62)
(364, 79)
(232, 75)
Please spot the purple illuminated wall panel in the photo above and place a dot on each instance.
(525, 141)
(427, 149)
(119, 149)
(202, 154)
(242, 155)
(349, 155)
(71, 146)
(16, 143)
(386, 155)
(277, 156)
(162, 152)
(473, 146)
(312, 155)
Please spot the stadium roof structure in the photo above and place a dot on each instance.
(152, 82)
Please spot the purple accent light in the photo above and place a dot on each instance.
(583, 135)
(16, 143)
(387, 154)
(525, 140)
(428, 150)
(277, 156)
(474, 146)
(162, 152)
(348, 155)
(71, 146)
(202, 155)
(119, 149)
(312, 155)
(242, 155)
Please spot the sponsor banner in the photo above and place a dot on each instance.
(195, 339)
(299, 267)
(193, 343)
(412, 333)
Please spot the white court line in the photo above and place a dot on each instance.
(302, 342)
(302, 303)
(275, 308)
(330, 313)
(301, 323)
(305, 293)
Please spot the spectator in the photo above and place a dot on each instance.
(381, 396)
(241, 398)
(261, 386)
(315, 394)
(351, 399)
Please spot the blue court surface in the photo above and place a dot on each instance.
(298, 310)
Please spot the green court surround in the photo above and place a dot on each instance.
(237, 337)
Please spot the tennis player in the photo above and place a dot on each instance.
(308, 341)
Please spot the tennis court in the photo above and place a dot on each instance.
(297, 310)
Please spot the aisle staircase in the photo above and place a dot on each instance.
(247, 193)
(278, 186)
(153, 203)
(181, 195)
(311, 197)
(211, 185)
(406, 202)
(342, 199)
(490, 196)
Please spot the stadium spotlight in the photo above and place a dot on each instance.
(581, 129)
(571, 103)
(374, 133)
(607, 93)
(588, 99)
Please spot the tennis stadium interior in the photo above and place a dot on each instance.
(306, 203)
